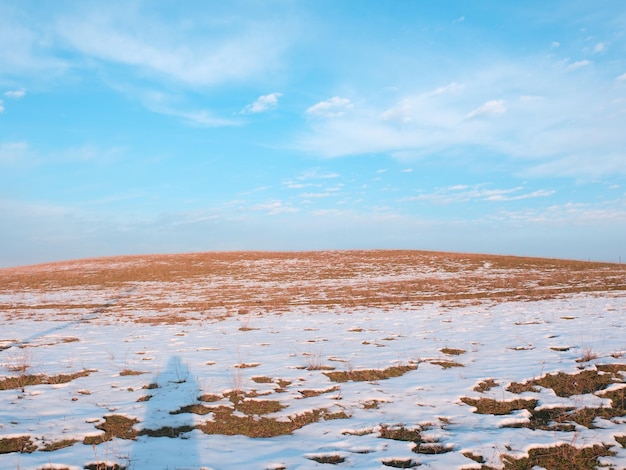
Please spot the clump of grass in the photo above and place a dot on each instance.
(314, 362)
(56, 445)
(432, 448)
(226, 423)
(197, 409)
(22, 381)
(262, 380)
(104, 466)
(485, 385)
(114, 426)
(400, 433)
(316, 393)
(210, 397)
(495, 407)
(474, 457)
(126, 372)
(371, 405)
(563, 457)
(245, 365)
(452, 351)
(283, 383)
(21, 444)
(588, 355)
(562, 418)
(331, 459)
(166, 431)
(446, 364)
(566, 385)
(400, 463)
(259, 407)
(367, 375)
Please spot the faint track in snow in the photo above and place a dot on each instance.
(92, 315)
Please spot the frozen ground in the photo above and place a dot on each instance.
(185, 382)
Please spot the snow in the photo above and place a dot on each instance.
(508, 341)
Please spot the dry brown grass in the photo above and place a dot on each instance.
(222, 284)
(367, 375)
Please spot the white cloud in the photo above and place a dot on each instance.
(450, 88)
(400, 113)
(600, 47)
(157, 46)
(622, 77)
(15, 94)
(460, 19)
(262, 104)
(579, 64)
(555, 44)
(489, 108)
(1, 107)
(333, 107)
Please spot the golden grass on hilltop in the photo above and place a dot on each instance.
(178, 287)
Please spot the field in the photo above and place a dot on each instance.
(339, 359)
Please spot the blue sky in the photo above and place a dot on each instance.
(150, 127)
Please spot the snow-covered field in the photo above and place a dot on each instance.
(296, 364)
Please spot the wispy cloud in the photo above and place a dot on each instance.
(465, 193)
(15, 94)
(274, 208)
(490, 108)
(141, 40)
(579, 64)
(1, 106)
(262, 104)
(162, 103)
(622, 77)
(330, 108)
(450, 88)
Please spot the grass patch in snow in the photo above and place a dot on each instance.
(56, 445)
(452, 351)
(118, 426)
(331, 459)
(485, 385)
(21, 381)
(400, 463)
(489, 406)
(368, 375)
(126, 372)
(445, 364)
(562, 457)
(566, 385)
(226, 423)
(21, 444)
